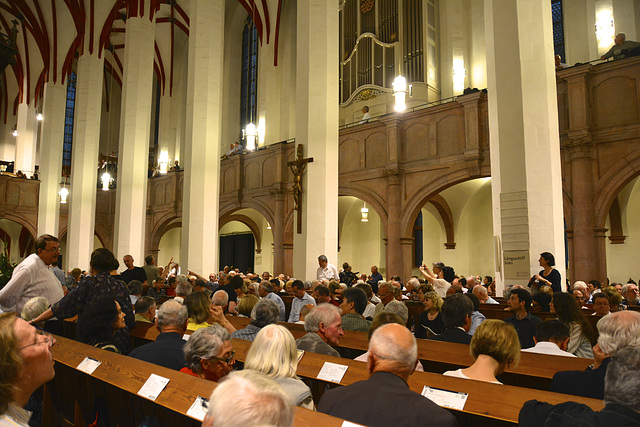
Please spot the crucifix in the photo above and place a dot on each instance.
(297, 167)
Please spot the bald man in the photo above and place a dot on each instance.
(392, 358)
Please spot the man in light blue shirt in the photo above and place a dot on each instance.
(302, 298)
(266, 291)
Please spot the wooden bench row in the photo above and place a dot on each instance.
(73, 396)
(482, 407)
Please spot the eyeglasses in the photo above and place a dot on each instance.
(52, 250)
(227, 359)
(48, 339)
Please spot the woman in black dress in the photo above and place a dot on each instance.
(430, 320)
(99, 322)
(548, 276)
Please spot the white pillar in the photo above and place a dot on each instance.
(133, 152)
(52, 137)
(269, 96)
(525, 151)
(26, 142)
(626, 18)
(580, 44)
(317, 129)
(84, 161)
(201, 187)
(451, 47)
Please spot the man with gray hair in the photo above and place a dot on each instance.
(266, 292)
(168, 348)
(209, 353)
(482, 294)
(145, 309)
(630, 294)
(388, 302)
(621, 398)
(617, 331)
(392, 358)
(622, 48)
(264, 402)
(183, 290)
(326, 270)
(220, 298)
(324, 329)
(265, 312)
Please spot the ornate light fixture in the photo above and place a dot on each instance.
(364, 212)
(250, 134)
(64, 193)
(163, 162)
(106, 180)
(400, 92)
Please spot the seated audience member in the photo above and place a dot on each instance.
(354, 301)
(34, 308)
(99, 321)
(495, 347)
(615, 298)
(303, 313)
(335, 292)
(145, 310)
(171, 290)
(578, 295)
(455, 289)
(616, 332)
(220, 299)
(168, 348)
(157, 291)
(265, 312)
(570, 313)
(322, 295)
(382, 319)
(476, 317)
(301, 299)
(135, 290)
(483, 295)
(601, 305)
(392, 357)
(430, 320)
(198, 306)
(99, 284)
(622, 48)
(540, 302)
(630, 294)
(209, 353)
(370, 310)
(246, 304)
(525, 323)
(621, 398)
(266, 292)
(26, 363)
(584, 290)
(456, 315)
(552, 337)
(263, 402)
(386, 293)
(274, 353)
(200, 285)
(183, 290)
(324, 329)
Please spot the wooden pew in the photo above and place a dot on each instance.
(487, 404)
(70, 397)
(534, 371)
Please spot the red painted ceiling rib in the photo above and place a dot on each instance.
(55, 41)
(91, 25)
(255, 15)
(275, 43)
(265, 8)
(106, 29)
(27, 70)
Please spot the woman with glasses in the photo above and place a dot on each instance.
(209, 353)
(99, 322)
(274, 353)
(26, 363)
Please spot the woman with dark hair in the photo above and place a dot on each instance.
(541, 301)
(582, 337)
(548, 276)
(99, 322)
(99, 283)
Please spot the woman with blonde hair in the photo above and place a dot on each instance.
(246, 304)
(198, 306)
(431, 318)
(495, 347)
(274, 353)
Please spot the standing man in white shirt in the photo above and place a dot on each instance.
(34, 277)
(326, 270)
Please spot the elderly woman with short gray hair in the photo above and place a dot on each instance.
(209, 353)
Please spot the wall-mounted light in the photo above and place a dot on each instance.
(268, 226)
(39, 116)
(64, 193)
(15, 130)
(106, 180)
(605, 30)
(400, 93)
(364, 212)
(163, 162)
(459, 74)
(249, 134)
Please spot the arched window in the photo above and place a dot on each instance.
(249, 80)
(68, 124)
(558, 29)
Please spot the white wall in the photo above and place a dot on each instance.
(622, 258)
(169, 246)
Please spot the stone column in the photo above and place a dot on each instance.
(277, 228)
(84, 161)
(133, 153)
(394, 227)
(199, 250)
(406, 244)
(317, 130)
(525, 153)
(26, 142)
(580, 40)
(52, 137)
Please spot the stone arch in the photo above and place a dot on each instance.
(610, 185)
(257, 205)
(24, 222)
(369, 197)
(166, 223)
(413, 205)
(229, 217)
(444, 210)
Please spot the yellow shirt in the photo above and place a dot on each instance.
(193, 326)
